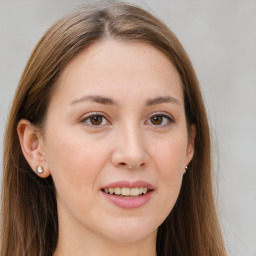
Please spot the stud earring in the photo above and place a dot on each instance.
(186, 168)
(39, 169)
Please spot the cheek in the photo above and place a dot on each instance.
(75, 168)
(73, 161)
(170, 170)
(169, 157)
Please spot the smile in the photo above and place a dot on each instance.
(127, 194)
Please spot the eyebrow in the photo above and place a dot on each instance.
(108, 101)
(159, 100)
(96, 98)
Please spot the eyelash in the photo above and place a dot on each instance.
(167, 118)
(91, 115)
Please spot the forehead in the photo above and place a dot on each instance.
(119, 69)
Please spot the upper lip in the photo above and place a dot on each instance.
(130, 184)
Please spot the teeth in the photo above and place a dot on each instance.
(134, 191)
(126, 191)
(111, 191)
(118, 191)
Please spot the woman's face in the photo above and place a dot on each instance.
(115, 130)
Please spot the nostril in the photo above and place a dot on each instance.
(132, 166)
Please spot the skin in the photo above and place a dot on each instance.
(127, 145)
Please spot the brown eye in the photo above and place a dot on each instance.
(96, 120)
(160, 120)
(156, 120)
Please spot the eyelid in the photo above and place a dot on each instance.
(91, 114)
(163, 114)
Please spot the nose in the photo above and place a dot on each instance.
(129, 150)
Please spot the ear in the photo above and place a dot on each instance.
(32, 147)
(191, 143)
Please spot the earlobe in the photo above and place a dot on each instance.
(31, 145)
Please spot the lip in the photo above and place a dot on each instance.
(130, 184)
(129, 202)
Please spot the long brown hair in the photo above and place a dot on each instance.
(29, 223)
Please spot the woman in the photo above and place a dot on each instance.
(107, 147)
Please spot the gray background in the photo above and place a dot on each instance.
(220, 37)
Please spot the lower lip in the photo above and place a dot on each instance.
(129, 203)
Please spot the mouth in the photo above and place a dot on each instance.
(125, 192)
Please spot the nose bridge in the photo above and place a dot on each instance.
(130, 149)
(133, 138)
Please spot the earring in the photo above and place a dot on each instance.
(39, 169)
(186, 168)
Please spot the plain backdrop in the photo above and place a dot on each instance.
(220, 38)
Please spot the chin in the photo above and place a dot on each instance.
(131, 232)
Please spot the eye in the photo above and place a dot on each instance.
(95, 119)
(160, 120)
